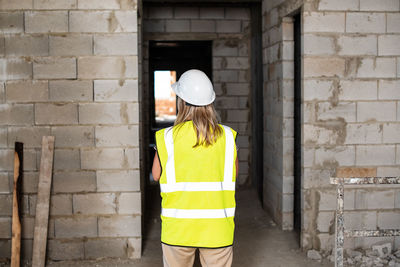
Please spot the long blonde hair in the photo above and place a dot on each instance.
(205, 122)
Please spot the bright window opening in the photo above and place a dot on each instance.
(165, 98)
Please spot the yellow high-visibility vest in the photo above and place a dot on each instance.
(197, 188)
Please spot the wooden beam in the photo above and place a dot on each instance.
(16, 222)
(42, 203)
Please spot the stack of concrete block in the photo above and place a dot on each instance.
(229, 30)
(70, 69)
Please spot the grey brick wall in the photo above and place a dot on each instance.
(350, 117)
(229, 30)
(70, 69)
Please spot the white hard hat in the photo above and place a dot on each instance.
(195, 88)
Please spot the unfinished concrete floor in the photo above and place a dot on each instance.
(258, 241)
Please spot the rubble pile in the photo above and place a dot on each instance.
(379, 255)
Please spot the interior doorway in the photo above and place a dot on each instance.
(297, 169)
(167, 61)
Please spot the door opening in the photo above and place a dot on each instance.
(167, 61)
(297, 169)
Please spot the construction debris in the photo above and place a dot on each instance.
(314, 255)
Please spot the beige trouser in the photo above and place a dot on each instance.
(174, 256)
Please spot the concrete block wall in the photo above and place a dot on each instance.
(350, 80)
(229, 30)
(70, 69)
(278, 47)
(350, 114)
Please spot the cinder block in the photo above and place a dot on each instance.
(76, 227)
(118, 181)
(102, 158)
(93, 4)
(5, 227)
(319, 45)
(360, 22)
(46, 21)
(116, 226)
(114, 90)
(112, 44)
(160, 12)
(347, 111)
(17, 4)
(74, 182)
(376, 111)
(202, 26)
(94, 203)
(237, 89)
(388, 45)
(374, 200)
(112, 136)
(3, 137)
(2, 47)
(108, 67)
(66, 159)
(54, 114)
(73, 136)
(342, 155)
(61, 205)
(321, 135)
(224, 48)
(328, 201)
(330, 66)
(15, 69)
(71, 90)
(6, 205)
(344, 5)
(212, 13)
(226, 76)
(186, 12)
(70, 45)
(378, 67)
(30, 136)
(5, 183)
(356, 220)
(26, 45)
(65, 250)
(103, 21)
(154, 25)
(355, 172)
(54, 68)
(105, 248)
(27, 91)
(390, 172)
(130, 203)
(134, 248)
(383, 5)
(27, 227)
(393, 22)
(324, 22)
(54, 4)
(181, 25)
(11, 22)
(363, 133)
(226, 102)
(237, 13)
(30, 184)
(389, 90)
(237, 63)
(238, 115)
(358, 90)
(397, 198)
(357, 45)
(16, 114)
(391, 133)
(103, 113)
(325, 221)
(316, 90)
(389, 220)
(375, 155)
(229, 26)
(132, 158)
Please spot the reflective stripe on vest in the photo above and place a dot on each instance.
(173, 186)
